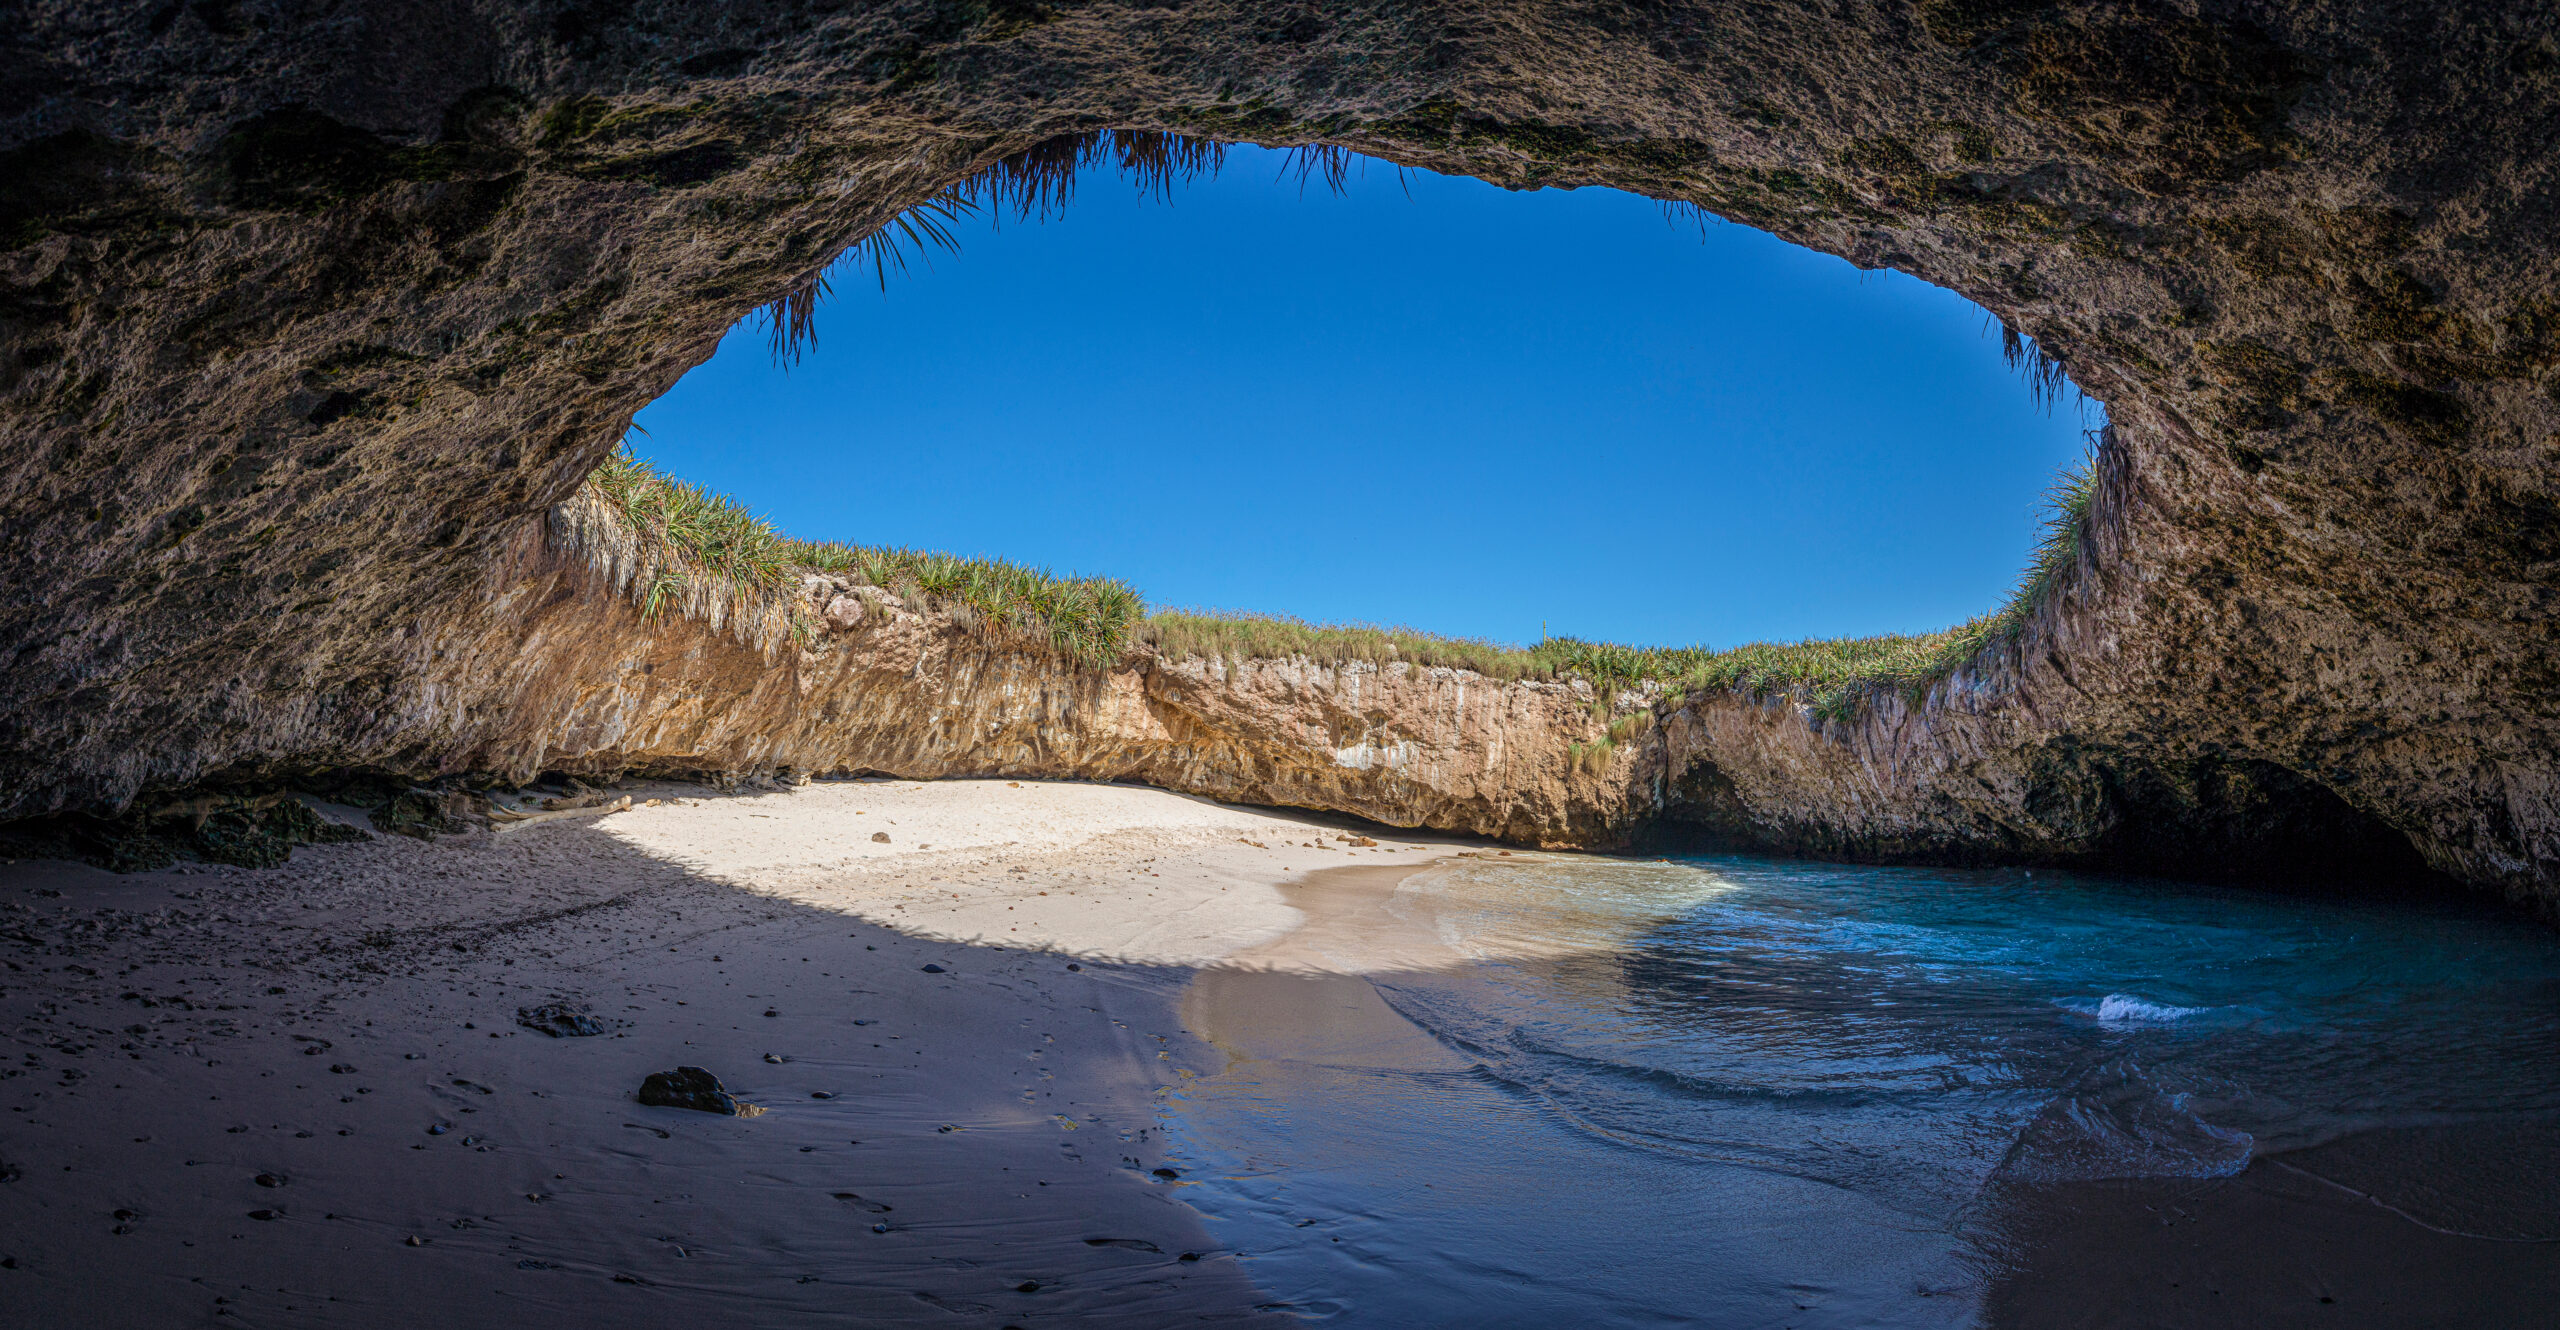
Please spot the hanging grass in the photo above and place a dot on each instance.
(1034, 183)
(791, 319)
(2048, 379)
(676, 546)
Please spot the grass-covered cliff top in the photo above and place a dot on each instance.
(676, 545)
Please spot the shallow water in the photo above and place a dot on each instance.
(1563, 1090)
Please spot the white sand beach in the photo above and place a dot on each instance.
(302, 1096)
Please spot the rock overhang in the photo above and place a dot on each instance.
(308, 326)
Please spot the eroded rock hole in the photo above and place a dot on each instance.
(1571, 447)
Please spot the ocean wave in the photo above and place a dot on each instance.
(2118, 1121)
(2126, 1009)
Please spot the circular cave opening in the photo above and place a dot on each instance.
(1329, 389)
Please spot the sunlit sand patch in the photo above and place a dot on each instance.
(1098, 872)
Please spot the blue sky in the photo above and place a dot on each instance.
(1429, 402)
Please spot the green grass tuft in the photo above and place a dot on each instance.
(698, 533)
(678, 545)
(1246, 636)
(1087, 620)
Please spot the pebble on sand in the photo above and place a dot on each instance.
(696, 1089)
(560, 1020)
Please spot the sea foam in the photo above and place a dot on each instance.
(2127, 1009)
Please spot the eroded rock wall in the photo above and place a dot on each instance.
(569, 674)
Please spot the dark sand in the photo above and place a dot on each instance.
(2455, 1226)
(172, 1038)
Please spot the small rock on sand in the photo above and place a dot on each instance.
(694, 1088)
(560, 1020)
(880, 836)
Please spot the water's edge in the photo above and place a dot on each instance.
(1745, 1091)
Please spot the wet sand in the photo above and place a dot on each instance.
(300, 1096)
(1377, 1175)
(1366, 1167)
(2453, 1226)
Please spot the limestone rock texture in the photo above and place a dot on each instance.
(310, 314)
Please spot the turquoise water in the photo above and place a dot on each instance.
(1738, 1091)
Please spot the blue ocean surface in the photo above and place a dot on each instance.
(1738, 1091)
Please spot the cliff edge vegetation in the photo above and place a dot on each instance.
(676, 545)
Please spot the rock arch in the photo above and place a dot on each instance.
(308, 315)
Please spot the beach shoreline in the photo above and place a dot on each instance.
(1049, 1054)
(301, 1096)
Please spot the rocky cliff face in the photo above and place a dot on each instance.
(567, 675)
(563, 672)
(309, 314)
